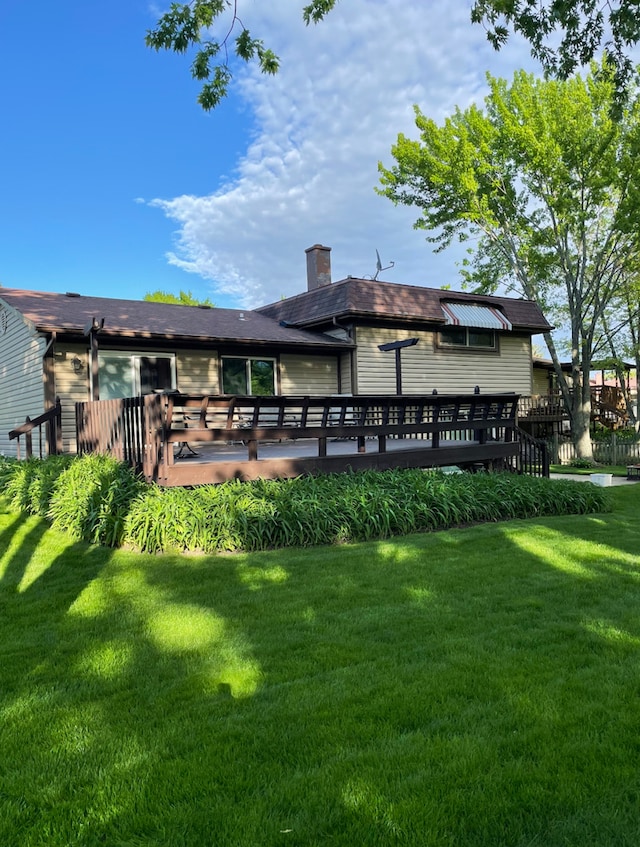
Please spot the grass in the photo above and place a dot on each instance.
(616, 470)
(471, 687)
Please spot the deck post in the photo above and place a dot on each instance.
(152, 435)
(28, 441)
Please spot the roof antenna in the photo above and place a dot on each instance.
(379, 267)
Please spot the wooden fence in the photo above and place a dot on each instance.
(613, 452)
(127, 429)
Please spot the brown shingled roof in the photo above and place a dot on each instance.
(70, 314)
(374, 299)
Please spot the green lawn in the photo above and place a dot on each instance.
(616, 470)
(472, 687)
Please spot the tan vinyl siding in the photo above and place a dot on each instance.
(425, 366)
(316, 375)
(346, 386)
(21, 378)
(375, 370)
(71, 386)
(197, 373)
(540, 381)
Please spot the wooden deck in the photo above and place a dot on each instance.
(287, 458)
(251, 437)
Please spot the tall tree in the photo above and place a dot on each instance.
(548, 183)
(621, 339)
(184, 298)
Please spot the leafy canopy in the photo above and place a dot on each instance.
(191, 27)
(566, 34)
(184, 298)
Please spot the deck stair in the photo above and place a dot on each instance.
(608, 407)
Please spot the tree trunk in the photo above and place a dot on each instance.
(581, 417)
(581, 433)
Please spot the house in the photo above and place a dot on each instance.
(461, 340)
(356, 336)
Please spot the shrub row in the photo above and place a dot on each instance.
(100, 500)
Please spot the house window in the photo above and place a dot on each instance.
(467, 336)
(248, 376)
(131, 374)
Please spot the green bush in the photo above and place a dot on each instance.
(86, 496)
(98, 499)
(92, 497)
(603, 435)
(341, 508)
(582, 463)
(29, 485)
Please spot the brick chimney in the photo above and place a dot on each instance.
(318, 266)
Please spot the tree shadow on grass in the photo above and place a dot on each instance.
(434, 689)
(404, 696)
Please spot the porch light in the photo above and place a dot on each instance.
(397, 346)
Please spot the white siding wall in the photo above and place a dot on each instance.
(197, 373)
(315, 375)
(425, 366)
(21, 382)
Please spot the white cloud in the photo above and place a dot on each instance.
(346, 88)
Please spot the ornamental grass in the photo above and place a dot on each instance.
(95, 498)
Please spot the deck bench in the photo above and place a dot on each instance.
(633, 471)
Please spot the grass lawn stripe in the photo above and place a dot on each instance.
(471, 687)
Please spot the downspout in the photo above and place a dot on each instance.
(92, 329)
(48, 375)
(54, 435)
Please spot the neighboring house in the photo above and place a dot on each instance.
(325, 341)
(545, 381)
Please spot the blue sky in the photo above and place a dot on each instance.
(114, 182)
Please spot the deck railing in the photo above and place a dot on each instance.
(50, 443)
(542, 406)
(146, 431)
(533, 458)
(607, 405)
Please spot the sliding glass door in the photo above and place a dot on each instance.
(125, 374)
